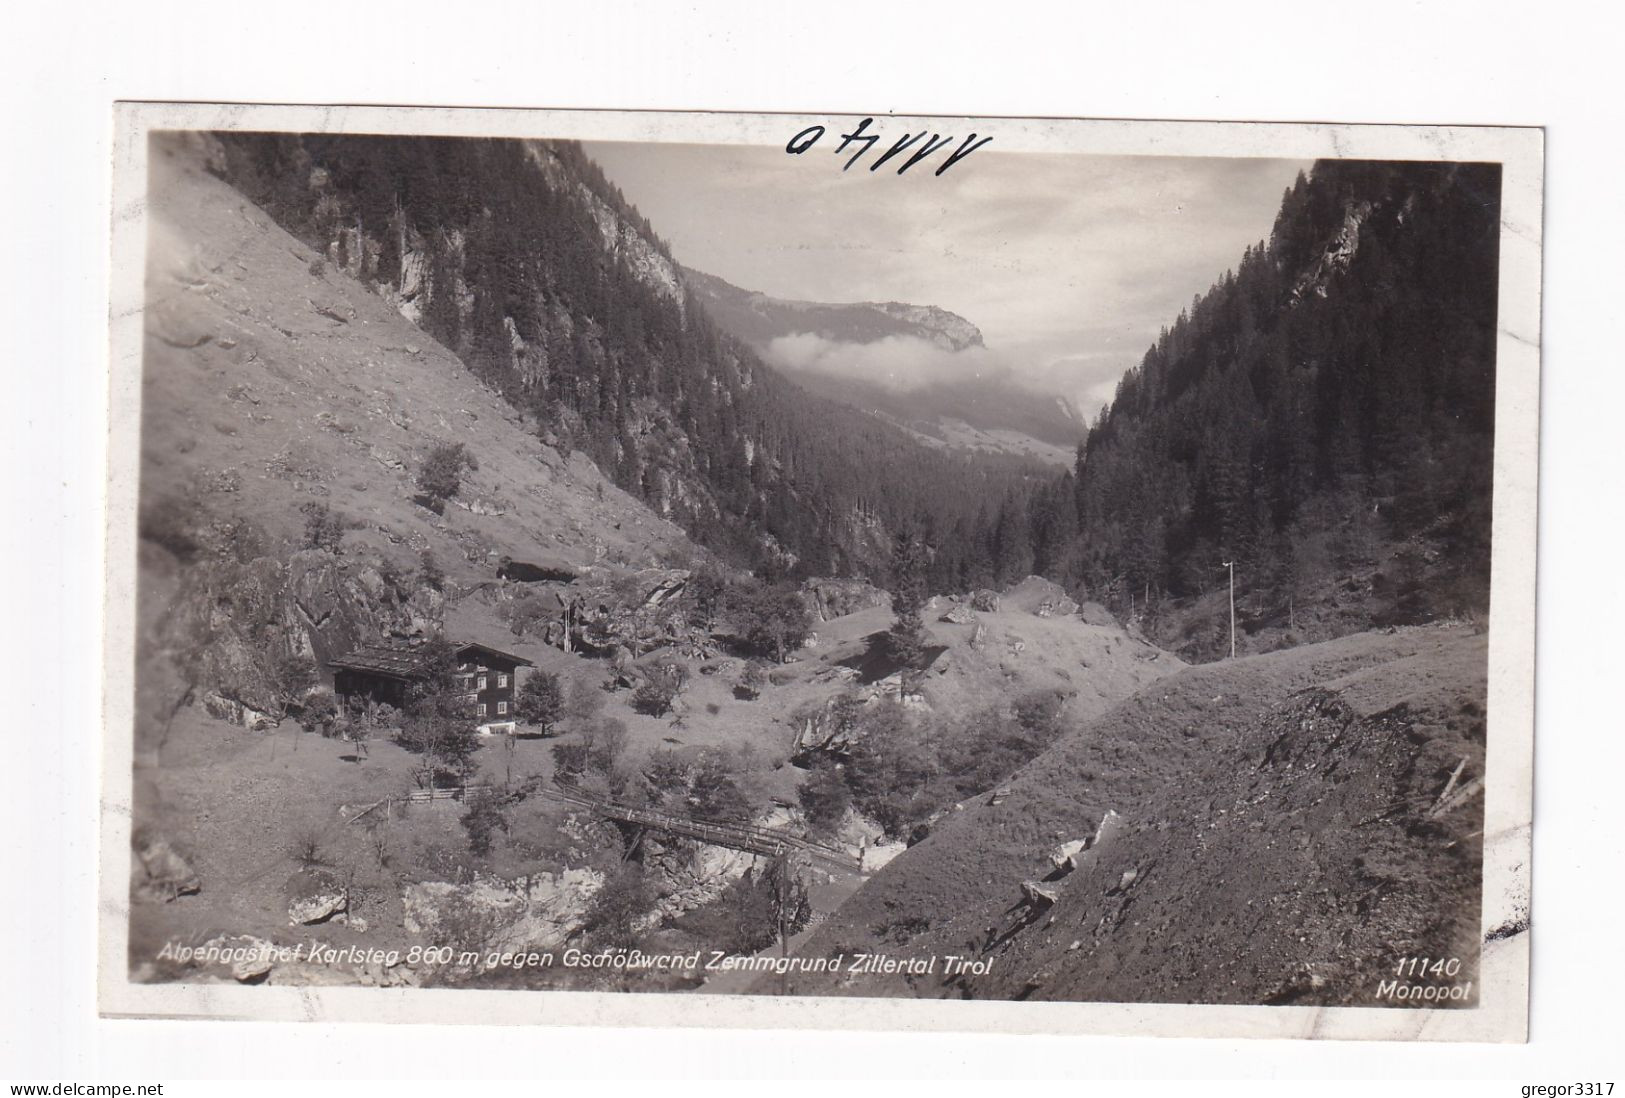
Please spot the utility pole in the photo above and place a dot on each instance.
(1230, 564)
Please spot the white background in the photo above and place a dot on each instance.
(1551, 65)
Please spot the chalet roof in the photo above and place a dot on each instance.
(497, 653)
(384, 659)
(400, 662)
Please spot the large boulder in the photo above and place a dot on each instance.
(1064, 856)
(836, 598)
(504, 914)
(1093, 613)
(1037, 896)
(985, 601)
(1032, 593)
(1058, 607)
(158, 872)
(248, 959)
(251, 958)
(959, 614)
(315, 896)
(663, 584)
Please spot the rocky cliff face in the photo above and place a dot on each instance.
(631, 244)
(233, 624)
(948, 330)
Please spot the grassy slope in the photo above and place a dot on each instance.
(245, 378)
(1273, 815)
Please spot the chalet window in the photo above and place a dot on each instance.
(502, 708)
(502, 680)
(482, 709)
(482, 682)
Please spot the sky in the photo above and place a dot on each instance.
(1069, 265)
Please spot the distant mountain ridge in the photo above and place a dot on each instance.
(759, 318)
(986, 410)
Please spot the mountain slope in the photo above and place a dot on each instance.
(530, 266)
(1281, 834)
(900, 362)
(1323, 418)
(275, 389)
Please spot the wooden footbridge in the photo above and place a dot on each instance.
(765, 841)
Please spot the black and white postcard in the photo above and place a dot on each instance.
(821, 571)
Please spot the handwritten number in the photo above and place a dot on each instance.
(861, 136)
(804, 140)
(931, 146)
(906, 140)
(964, 150)
(868, 140)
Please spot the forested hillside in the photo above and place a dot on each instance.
(526, 261)
(1323, 416)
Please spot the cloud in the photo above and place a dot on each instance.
(900, 363)
(1069, 264)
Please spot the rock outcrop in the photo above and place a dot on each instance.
(158, 872)
(236, 625)
(537, 913)
(836, 598)
(315, 896)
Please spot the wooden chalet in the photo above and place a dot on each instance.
(381, 674)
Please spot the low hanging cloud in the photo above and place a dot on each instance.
(900, 363)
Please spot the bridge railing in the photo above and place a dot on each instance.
(748, 837)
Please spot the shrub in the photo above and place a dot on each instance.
(483, 818)
(713, 794)
(441, 473)
(570, 760)
(308, 847)
(613, 917)
(744, 919)
(290, 677)
(824, 797)
(320, 713)
(657, 694)
(240, 539)
(430, 572)
(606, 740)
(703, 784)
(585, 700)
(771, 619)
(601, 745)
(541, 700)
(324, 529)
(890, 767)
(653, 699)
(708, 587)
(751, 681)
